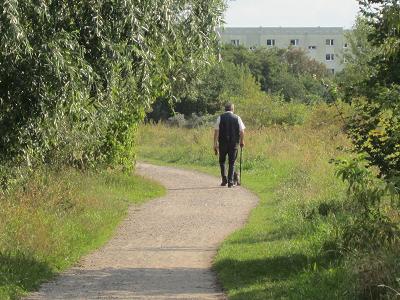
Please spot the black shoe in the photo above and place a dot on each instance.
(230, 184)
(224, 182)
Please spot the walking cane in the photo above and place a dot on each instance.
(240, 174)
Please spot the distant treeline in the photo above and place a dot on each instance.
(288, 74)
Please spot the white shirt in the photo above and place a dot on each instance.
(241, 124)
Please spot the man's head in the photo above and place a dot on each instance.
(229, 107)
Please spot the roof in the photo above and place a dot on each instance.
(281, 30)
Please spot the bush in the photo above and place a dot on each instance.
(376, 274)
(375, 129)
(371, 229)
(177, 121)
(194, 121)
(261, 110)
(333, 115)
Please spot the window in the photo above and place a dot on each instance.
(330, 57)
(235, 42)
(345, 45)
(312, 47)
(252, 48)
(332, 71)
(270, 42)
(329, 42)
(294, 42)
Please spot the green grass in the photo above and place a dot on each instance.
(57, 218)
(278, 255)
(287, 248)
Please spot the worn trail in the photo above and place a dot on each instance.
(164, 248)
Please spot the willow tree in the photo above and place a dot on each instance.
(77, 76)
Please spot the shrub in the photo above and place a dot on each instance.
(371, 230)
(196, 121)
(261, 110)
(375, 130)
(376, 273)
(178, 120)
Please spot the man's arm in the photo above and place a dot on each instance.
(241, 132)
(216, 133)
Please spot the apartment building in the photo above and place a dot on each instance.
(324, 44)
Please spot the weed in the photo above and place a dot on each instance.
(48, 224)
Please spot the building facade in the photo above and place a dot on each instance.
(324, 44)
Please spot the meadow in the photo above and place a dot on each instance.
(289, 247)
(57, 217)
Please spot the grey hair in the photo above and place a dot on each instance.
(229, 106)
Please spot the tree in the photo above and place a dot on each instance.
(384, 17)
(222, 82)
(375, 125)
(374, 129)
(300, 64)
(77, 76)
(353, 80)
(289, 72)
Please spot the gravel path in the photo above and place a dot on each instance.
(164, 248)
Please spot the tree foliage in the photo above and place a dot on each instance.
(374, 127)
(371, 82)
(77, 76)
(289, 72)
(222, 82)
(384, 17)
(354, 79)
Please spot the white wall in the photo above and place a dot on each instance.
(307, 36)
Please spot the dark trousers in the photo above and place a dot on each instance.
(231, 151)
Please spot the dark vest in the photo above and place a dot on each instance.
(229, 132)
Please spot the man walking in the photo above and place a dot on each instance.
(228, 135)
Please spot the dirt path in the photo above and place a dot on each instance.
(164, 249)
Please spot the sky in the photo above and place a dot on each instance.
(291, 13)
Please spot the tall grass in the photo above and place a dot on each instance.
(288, 249)
(56, 218)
